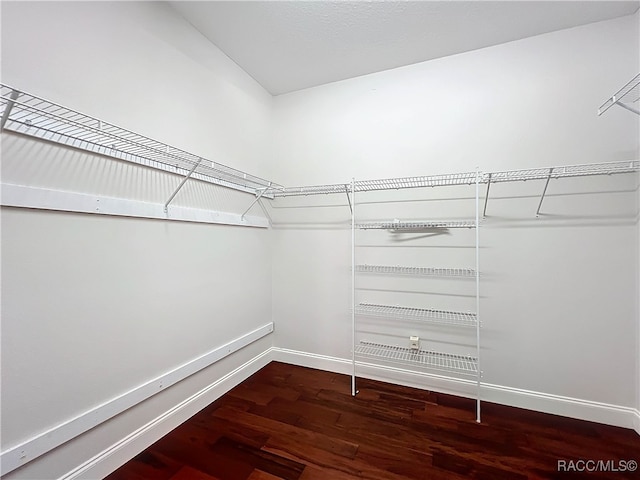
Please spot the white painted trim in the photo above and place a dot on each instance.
(46, 199)
(43, 442)
(119, 453)
(599, 412)
(609, 414)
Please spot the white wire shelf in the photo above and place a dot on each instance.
(627, 97)
(310, 190)
(28, 114)
(609, 168)
(443, 317)
(422, 271)
(416, 224)
(461, 364)
(466, 178)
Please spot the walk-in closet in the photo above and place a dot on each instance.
(319, 240)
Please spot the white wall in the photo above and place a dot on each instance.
(558, 293)
(94, 306)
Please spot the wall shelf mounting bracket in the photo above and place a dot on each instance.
(262, 192)
(627, 95)
(486, 197)
(544, 191)
(7, 111)
(184, 180)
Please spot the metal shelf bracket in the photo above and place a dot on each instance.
(544, 192)
(262, 192)
(184, 180)
(346, 191)
(7, 111)
(628, 94)
(486, 197)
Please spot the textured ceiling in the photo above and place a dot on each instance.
(291, 45)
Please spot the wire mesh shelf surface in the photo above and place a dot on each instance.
(416, 224)
(461, 364)
(443, 317)
(565, 171)
(426, 271)
(628, 95)
(467, 178)
(310, 190)
(31, 115)
(609, 168)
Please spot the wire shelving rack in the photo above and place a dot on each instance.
(424, 271)
(443, 317)
(445, 362)
(414, 357)
(27, 114)
(416, 224)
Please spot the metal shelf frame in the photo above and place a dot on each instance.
(442, 317)
(444, 362)
(418, 271)
(465, 365)
(628, 97)
(30, 115)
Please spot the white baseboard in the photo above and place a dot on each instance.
(24, 452)
(116, 455)
(615, 415)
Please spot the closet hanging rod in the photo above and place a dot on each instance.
(627, 97)
(34, 116)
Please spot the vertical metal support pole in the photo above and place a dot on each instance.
(7, 110)
(184, 180)
(544, 192)
(353, 291)
(486, 198)
(255, 201)
(478, 293)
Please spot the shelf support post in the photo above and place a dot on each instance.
(184, 180)
(353, 291)
(478, 373)
(255, 201)
(544, 191)
(7, 110)
(486, 198)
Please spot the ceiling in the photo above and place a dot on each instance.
(292, 45)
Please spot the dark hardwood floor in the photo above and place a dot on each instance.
(288, 422)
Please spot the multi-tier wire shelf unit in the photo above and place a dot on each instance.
(427, 360)
(400, 349)
(389, 354)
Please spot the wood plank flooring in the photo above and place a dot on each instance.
(293, 423)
